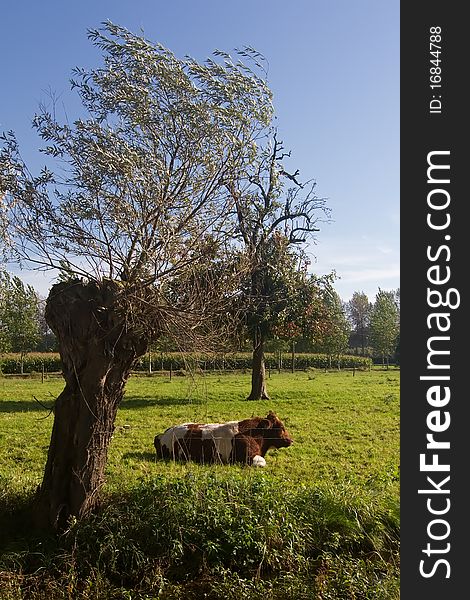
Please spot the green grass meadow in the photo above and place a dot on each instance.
(320, 521)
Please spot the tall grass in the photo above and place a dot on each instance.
(202, 533)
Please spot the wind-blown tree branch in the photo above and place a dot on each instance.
(136, 200)
(275, 220)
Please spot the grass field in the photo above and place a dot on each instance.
(320, 521)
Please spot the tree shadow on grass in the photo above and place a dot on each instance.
(16, 406)
(12, 406)
(139, 402)
(19, 538)
(141, 456)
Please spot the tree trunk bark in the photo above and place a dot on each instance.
(97, 349)
(258, 369)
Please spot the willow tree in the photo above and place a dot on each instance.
(132, 199)
(276, 215)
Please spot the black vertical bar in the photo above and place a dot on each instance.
(435, 530)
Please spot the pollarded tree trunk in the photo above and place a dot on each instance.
(258, 372)
(97, 351)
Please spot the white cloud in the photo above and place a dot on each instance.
(362, 264)
(40, 280)
(392, 272)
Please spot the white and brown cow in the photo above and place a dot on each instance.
(244, 441)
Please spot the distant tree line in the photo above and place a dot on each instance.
(311, 317)
(23, 327)
(375, 327)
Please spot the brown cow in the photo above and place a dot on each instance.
(236, 441)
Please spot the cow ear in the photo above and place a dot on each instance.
(271, 416)
(265, 424)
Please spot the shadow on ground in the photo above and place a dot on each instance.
(141, 456)
(11, 406)
(139, 402)
(132, 402)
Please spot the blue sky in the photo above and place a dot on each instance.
(334, 72)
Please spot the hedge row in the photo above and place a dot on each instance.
(176, 361)
(240, 361)
(35, 362)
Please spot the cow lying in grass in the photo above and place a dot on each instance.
(236, 441)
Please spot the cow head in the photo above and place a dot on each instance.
(274, 432)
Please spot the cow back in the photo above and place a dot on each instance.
(209, 442)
